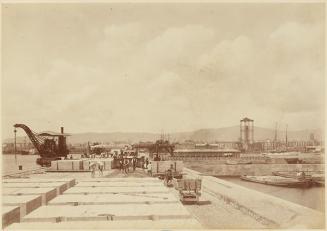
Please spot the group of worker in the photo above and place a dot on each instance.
(126, 164)
(94, 166)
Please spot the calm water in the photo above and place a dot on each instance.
(313, 197)
(10, 165)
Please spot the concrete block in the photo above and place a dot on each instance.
(166, 224)
(60, 186)
(65, 165)
(105, 212)
(104, 190)
(26, 203)
(54, 165)
(46, 193)
(70, 181)
(97, 199)
(118, 184)
(10, 214)
(33, 184)
(8, 191)
(77, 165)
(86, 165)
(107, 164)
(121, 179)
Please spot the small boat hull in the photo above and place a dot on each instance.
(278, 181)
(319, 182)
(317, 179)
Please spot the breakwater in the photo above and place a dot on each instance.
(213, 169)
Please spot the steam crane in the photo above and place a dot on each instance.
(50, 145)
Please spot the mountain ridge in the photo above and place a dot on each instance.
(200, 135)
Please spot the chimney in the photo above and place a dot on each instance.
(62, 130)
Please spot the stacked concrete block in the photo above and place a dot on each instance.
(46, 188)
(121, 179)
(70, 182)
(109, 199)
(27, 203)
(105, 212)
(167, 224)
(54, 165)
(77, 165)
(112, 203)
(65, 165)
(46, 193)
(104, 190)
(107, 164)
(117, 184)
(86, 164)
(22, 196)
(10, 214)
(59, 186)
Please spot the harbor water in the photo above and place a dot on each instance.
(313, 197)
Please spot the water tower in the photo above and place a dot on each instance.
(246, 132)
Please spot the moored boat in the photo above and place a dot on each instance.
(290, 175)
(319, 182)
(278, 181)
(316, 177)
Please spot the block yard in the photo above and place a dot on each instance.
(75, 200)
(151, 185)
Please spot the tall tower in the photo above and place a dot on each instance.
(246, 132)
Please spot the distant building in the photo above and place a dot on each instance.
(185, 154)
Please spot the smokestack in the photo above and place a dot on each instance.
(62, 130)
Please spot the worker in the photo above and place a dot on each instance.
(126, 163)
(146, 163)
(71, 157)
(101, 168)
(121, 164)
(149, 167)
(169, 174)
(134, 164)
(93, 167)
(157, 158)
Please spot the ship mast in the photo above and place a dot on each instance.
(286, 138)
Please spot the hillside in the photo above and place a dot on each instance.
(202, 135)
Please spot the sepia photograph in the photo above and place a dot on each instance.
(163, 115)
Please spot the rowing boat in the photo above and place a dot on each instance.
(278, 181)
(317, 177)
(290, 175)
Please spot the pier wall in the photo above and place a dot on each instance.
(214, 169)
(269, 210)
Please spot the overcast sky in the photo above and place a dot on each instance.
(154, 67)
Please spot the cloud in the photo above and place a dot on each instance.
(178, 77)
(178, 45)
(280, 73)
